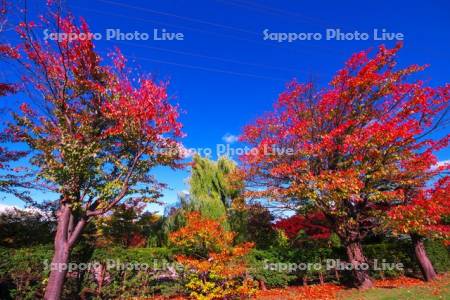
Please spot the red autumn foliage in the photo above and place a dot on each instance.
(95, 132)
(313, 225)
(423, 215)
(318, 292)
(332, 291)
(349, 148)
(209, 247)
(6, 52)
(137, 240)
(398, 282)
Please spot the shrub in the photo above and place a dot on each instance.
(396, 251)
(22, 271)
(136, 272)
(439, 254)
(401, 251)
(215, 267)
(21, 228)
(258, 260)
(23, 274)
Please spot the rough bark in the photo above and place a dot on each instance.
(426, 267)
(358, 260)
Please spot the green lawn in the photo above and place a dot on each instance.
(440, 290)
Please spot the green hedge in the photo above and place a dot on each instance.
(401, 251)
(23, 274)
(257, 261)
(392, 252)
(439, 255)
(134, 273)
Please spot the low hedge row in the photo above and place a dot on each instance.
(23, 274)
(391, 252)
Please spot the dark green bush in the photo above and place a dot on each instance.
(124, 280)
(258, 259)
(22, 271)
(439, 255)
(397, 251)
(23, 274)
(401, 250)
(390, 252)
(20, 228)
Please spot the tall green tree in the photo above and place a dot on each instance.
(212, 191)
(210, 179)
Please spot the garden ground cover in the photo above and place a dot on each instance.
(402, 288)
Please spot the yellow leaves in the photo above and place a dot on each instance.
(110, 189)
(220, 268)
(207, 290)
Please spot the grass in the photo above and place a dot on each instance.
(401, 288)
(424, 291)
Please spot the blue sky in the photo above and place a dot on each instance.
(223, 74)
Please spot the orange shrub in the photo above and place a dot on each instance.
(216, 267)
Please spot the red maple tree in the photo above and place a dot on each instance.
(96, 133)
(422, 217)
(313, 225)
(348, 149)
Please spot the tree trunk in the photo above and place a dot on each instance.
(359, 263)
(58, 273)
(262, 285)
(67, 234)
(426, 267)
(336, 273)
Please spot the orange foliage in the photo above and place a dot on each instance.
(423, 215)
(201, 235)
(398, 282)
(217, 266)
(322, 292)
(333, 291)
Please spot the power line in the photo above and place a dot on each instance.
(328, 52)
(207, 69)
(209, 57)
(156, 22)
(328, 49)
(279, 12)
(191, 53)
(268, 9)
(213, 69)
(179, 17)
